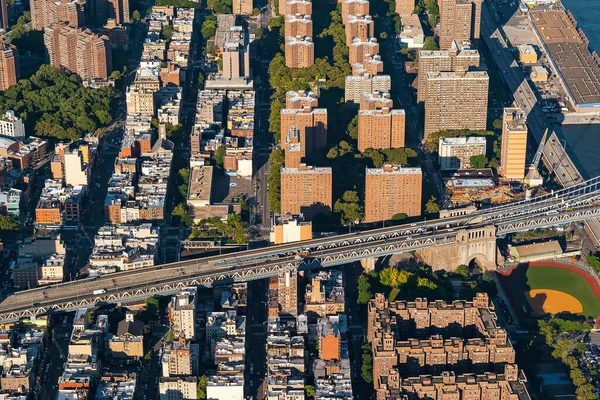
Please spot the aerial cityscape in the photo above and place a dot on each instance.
(299, 200)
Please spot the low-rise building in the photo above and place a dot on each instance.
(324, 294)
(290, 228)
(129, 340)
(456, 153)
(178, 388)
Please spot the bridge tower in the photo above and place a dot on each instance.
(471, 244)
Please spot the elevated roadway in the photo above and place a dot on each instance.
(576, 203)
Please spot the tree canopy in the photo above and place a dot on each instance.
(8, 223)
(433, 139)
(54, 103)
(349, 207)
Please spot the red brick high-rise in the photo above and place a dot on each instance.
(354, 7)
(381, 129)
(306, 190)
(392, 190)
(119, 11)
(359, 26)
(298, 25)
(9, 66)
(303, 133)
(299, 52)
(460, 20)
(82, 52)
(45, 13)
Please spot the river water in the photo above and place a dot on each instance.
(583, 141)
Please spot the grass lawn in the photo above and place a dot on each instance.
(524, 279)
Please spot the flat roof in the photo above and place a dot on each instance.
(570, 53)
(551, 247)
(200, 183)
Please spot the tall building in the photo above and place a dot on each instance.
(9, 66)
(287, 291)
(298, 25)
(371, 65)
(75, 171)
(182, 314)
(355, 86)
(460, 20)
(236, 55)
(45, 13)
(456, 153)
(359, 26)
(381, 128)
(354, 7)
(306, 190)
(391, 190)
(12, 126)
(80, 51)
(456, 100)
(451, 60)
(296, 7)
(300, 99)
(299, 52)
(242, 7)
(375, 100)
(304, 133)
(119, 11)
(405, 7)
(3, 15)
(514, 145)
(359, 50)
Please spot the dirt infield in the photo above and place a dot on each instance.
(547, 301)
(549, 275)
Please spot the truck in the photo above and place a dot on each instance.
(99, 291)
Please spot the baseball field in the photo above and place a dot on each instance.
(552, 288)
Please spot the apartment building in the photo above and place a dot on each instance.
(4, 15)
(182, 313)
(242, 7)
(306, 190)
(371, 65)
(405, 7)
(118, 10)
(460, 20)
(514, 144)
(511, 384)
(355, 86)
(180, 357)
(236, 54)
(304, 134)
(293, 7)
(381, 128)
(360, 50)
(354, 7)
(80, 51)
(392, 190)
(456, 153)
(10, 70)
(298, 25)
(453, 60)
(287, 291)
(299, 52)
(290, 228)
(324, 294)
(12, 126)
(301, 99)
(45, 13)
(359, 27)
(376, 100)
(179, 388)
(456, 100)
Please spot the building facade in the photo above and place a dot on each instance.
(10, 70)
(299, 52)
(392, 190)
(304, 134)
(456, 153)
(381, 128)
(306, 190)
(514, 145)
(460, 20)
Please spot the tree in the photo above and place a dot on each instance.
(366, 370)
(398, 217)
(478, 161)
(593, 261)
(181, 211)
(166, 33)
(432, 207)
(259, 33)
(209, 27)
(136, 15)
(309, 390)
(255, 11)
(184, 173)
(8, 223)
(201, 390)
(348, 206)
(462, 270)
(171, 335)
(430, 44)
(394, 277)
(276, 159)
(364, 290)
(497, 124)
(352, 129)
(219, 157)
